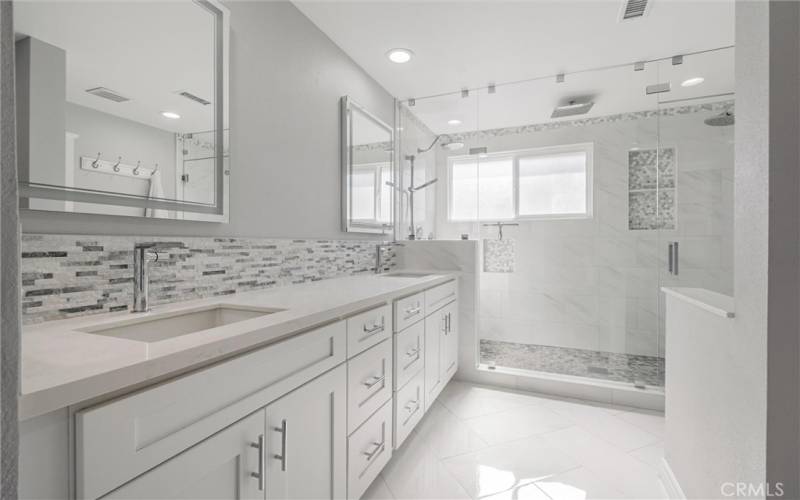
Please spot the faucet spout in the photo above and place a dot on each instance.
(142, 254)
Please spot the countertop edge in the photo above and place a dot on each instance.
(699, 297)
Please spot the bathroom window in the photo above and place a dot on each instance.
(371, 198)
(543, 183)
(555, 182)
(482, 189)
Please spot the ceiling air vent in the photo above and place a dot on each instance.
(633, 9)
(107, 94)
(193, 97)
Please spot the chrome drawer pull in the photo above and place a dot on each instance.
(282, 456)
(368, 332)
(412, 406)
(412, 352)
(374, 381)
(378, 448)
(261, 472)
(413, 311)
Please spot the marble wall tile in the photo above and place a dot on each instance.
(65, 275)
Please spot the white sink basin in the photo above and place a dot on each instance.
(174, 324)
(403, 274)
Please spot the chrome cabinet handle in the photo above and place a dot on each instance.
(374, 380)
(378, 448)
(261, 472)
(413, 311)
(412, 406)
(670, 258)
(675, 265)
(282, 456)
(412, 352)
(368, 332)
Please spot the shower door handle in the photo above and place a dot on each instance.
(673, 258)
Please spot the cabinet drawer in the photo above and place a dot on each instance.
(369, 383)
(368, 451)
(440, 296)
(121, 439)
(409, 355)
(408, 311)
(368, 328)
(409, 406)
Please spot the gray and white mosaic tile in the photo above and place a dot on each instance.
(498, 255)
(651, 188)
(616, 367)
(66, 275)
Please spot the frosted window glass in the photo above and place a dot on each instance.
(363, 194)
(482, 189)
(553, 184)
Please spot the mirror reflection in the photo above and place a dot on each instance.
(367, 171)
(125, 108)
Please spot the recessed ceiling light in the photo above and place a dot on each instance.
(399, 56)
(454, 121)
(691, 82)
(170, 114)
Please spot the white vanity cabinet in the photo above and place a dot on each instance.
(441, 343)
(317, 414)
(224, 466)
(306, 437)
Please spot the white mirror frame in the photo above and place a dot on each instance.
(348, 105)
(200, 212)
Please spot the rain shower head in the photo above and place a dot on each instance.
(723, 119)
(573, 106)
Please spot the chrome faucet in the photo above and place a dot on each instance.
(142, 253)
(379, 254)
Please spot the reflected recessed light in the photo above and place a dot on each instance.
(170, 114)
(691, 82)
(454, 122)
(399, 56)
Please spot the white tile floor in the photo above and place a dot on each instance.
(479, 442)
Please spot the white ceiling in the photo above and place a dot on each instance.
(143, 50)
(470, 43)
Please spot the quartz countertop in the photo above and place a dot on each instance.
(713, 302)
(63, 365)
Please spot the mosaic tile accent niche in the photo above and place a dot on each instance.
(651, 189)
(66, 275)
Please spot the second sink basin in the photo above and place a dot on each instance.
(175, 324)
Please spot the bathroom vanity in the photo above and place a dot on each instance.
(294, 392)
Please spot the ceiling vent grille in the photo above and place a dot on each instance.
(193, 97)
(108, 94)
(634, 9)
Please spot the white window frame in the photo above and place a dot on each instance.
(376, 167)
(515, 155)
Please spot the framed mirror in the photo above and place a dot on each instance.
(122, 108)
(368, 173)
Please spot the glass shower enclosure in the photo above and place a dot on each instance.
(588, 191)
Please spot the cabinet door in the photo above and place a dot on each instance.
(306, 450)
(434, 328)
(449, 341)
(224, 466)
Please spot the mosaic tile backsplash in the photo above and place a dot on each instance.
(651, 189)
(66, 275)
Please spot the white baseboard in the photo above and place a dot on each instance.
(671, 484)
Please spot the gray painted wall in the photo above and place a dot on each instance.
(41, 92)
(115, 136)
(286, 78)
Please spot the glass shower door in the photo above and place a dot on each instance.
(696, 159)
